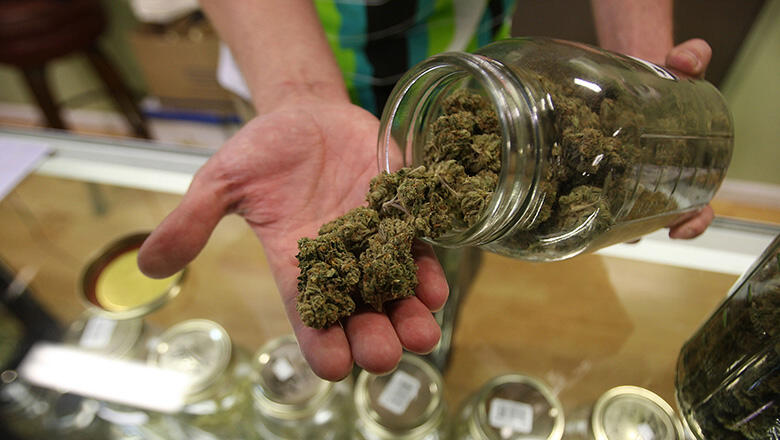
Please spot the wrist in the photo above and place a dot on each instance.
(278, 95)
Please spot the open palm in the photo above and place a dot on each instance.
(286, 173)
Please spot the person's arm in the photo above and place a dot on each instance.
(641, 28)
(281, 49)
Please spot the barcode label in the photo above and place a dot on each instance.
(282, 369)
(97, 332)
(517, 416)
(399, 392)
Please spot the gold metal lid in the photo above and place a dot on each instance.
(198, 346)
(112, 285)
(283, 384)
(630, 412)
(407, 403)
(515, 406)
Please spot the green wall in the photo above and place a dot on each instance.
(752, 90)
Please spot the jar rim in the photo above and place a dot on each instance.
(509, 98)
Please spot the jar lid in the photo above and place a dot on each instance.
(199, 347)
(515, 406)
(112, 285)
(408, 401)
(630, 412)
(283, 383)
(105, 335)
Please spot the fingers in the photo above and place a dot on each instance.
(327, 351)
(432, 287)
(375, 345)
(414, 324)
(183, 233)
(693, 226)
(690, 57)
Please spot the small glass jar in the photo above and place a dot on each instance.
(123, 338)
(728, 372)
(291, 402)
(511, 407)
(407, 404)
(217, 399)
(625, 413)
(22, 406)
(595, 148)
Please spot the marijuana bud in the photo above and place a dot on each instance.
(365, 256)
(388, 267)
(329, 275)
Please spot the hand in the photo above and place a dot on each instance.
(286, 173)
(690, 59)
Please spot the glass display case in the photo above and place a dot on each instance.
(581, 326)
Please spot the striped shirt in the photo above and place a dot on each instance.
(376, 41)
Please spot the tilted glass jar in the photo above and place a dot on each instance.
(728, 372)
(597, 148)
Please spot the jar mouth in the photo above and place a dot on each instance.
(411, 107)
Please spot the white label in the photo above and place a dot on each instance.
(123, 418)
(517, 416)
(203, 408)
(282, 369)
(645, 432)
(97, 332)
(399, 392)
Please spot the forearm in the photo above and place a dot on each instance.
(280, 47)
(642, 28)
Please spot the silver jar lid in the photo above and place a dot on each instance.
(199, 347)
(515, 406)
(104, 335)
(629, 412)
(284, 386)
(407, 402)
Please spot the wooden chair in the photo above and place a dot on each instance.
(35, 32)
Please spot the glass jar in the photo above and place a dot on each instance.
(407, 404)
(595, 147)
(123, 338)
(23, 407)
(728, 372)
(511, 407)
(625, 413)
(291, 402)
(217, 399)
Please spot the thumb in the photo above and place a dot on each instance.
(690, 57)
(184, 232)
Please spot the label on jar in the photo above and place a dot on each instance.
(645, 432)
(517, 416)
(399, 392)
(282, 369)
(97, 332)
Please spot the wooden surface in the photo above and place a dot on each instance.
(582, 325)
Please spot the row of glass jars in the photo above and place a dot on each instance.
(275, 395)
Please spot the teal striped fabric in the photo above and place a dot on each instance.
(376, 41)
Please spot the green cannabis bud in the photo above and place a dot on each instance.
(365, 256)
